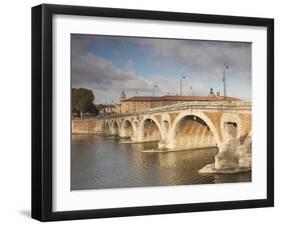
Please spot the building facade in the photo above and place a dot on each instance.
(109, 109)
(143, 103)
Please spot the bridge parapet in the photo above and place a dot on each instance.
(202, 105)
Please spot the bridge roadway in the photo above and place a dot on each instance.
(199, 124)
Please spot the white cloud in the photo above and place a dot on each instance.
(100, 75)
(204, 57)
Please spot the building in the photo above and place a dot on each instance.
(142, 103)
(109, 109)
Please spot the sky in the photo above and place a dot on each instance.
(110, 64)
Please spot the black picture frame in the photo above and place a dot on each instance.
(42, 107)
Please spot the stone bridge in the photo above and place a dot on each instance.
(222, 124)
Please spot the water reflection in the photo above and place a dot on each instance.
(104, 162)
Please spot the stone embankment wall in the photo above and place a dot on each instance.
(87, 125)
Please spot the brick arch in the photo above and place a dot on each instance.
(202, 117)
(115, 127)
(154, 119)
(131, 123)
(127, 128)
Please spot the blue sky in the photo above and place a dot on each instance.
(109, 64)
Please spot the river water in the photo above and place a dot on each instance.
(103, 162)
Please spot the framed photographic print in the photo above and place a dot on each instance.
(145, 112)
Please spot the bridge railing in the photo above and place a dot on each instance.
(207, 105)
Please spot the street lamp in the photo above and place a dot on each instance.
(181, 78)
(153, 89)
(225, 67)
(192, 88)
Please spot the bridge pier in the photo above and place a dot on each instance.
(231, 158)
(227, 158)
(122, 133)
(164, 144)
(234, 151)
(137, 135)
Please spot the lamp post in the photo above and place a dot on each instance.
(153, 89)
(192, 88)
(181, 78)
(225, 67)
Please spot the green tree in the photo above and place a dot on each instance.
(82, 101)
(91, 108)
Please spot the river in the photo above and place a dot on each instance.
(103, 162)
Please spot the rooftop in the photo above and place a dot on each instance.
(101, 106)
(179, 98)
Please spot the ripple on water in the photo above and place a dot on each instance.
(99, 162)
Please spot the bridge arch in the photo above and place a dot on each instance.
(150, 129)
(195, 125)
(115, 128)
(128, 128)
